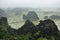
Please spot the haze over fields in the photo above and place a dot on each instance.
(15, 9)
(15, 16)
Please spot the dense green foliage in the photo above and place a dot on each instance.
(4, 35)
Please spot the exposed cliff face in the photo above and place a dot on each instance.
(28, 27)
(4, 27)
(3, 20)
(3, 24)
(47, 27)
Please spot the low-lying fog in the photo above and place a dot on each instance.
(15, 15)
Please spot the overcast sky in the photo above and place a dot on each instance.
(30, 3)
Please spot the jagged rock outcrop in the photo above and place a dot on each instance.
(46, 17)
(3, 24)
(3, 20)
(28, 27)
(24, 17)
(47, 28)
(55, 17)
(32, 16)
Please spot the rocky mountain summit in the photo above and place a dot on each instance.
(47, 27)
(32, 16)
(28, 27)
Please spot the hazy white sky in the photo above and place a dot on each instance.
(30, 3)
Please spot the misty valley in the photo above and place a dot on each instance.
(16, 15)
(30, 24)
